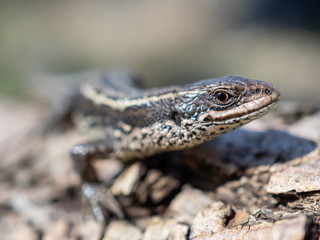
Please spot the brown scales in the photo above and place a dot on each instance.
(139, 123)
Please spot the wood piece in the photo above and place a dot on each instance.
(124, 185)
(108, 169)
(295, 228)
(122, 230)
(87, 230)
(298, 179)
(186, 205)
(179, 232)
(160, 186)
(163, 229)
(211, 220)
(58, 231)
(25, 232)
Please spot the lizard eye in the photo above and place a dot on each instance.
(221, 96)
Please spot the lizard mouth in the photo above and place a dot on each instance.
(267, 108)
(273, 104)
(245, 112)
(262, 108)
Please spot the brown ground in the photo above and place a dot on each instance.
(258, 182)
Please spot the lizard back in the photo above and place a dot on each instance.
(140, 123)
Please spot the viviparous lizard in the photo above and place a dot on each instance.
(129, 123)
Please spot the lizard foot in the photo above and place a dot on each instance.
(102, 202)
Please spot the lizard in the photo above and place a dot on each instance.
(126, 122)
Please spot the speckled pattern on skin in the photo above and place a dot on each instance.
(128, 123)
(145, 122)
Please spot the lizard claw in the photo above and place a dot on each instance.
(102, 202)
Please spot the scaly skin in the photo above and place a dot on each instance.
(129, 123)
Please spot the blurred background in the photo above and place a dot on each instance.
(44, 44)
(166, 41)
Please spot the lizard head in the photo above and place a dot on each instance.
(215, 106)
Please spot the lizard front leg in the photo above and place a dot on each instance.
(99, 197)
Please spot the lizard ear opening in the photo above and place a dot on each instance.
(175, 117)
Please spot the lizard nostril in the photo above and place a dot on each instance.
(267, 91)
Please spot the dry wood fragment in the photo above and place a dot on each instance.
(163, 229)
(186, 205)
(25, 232)
(288, 229)
(87, 230)
(298, 179)
(125, 183)
(159, 186)
(179, 232)
(122, 230)
(59, 230)
(211, 220)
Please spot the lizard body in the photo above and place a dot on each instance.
(130, 123)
